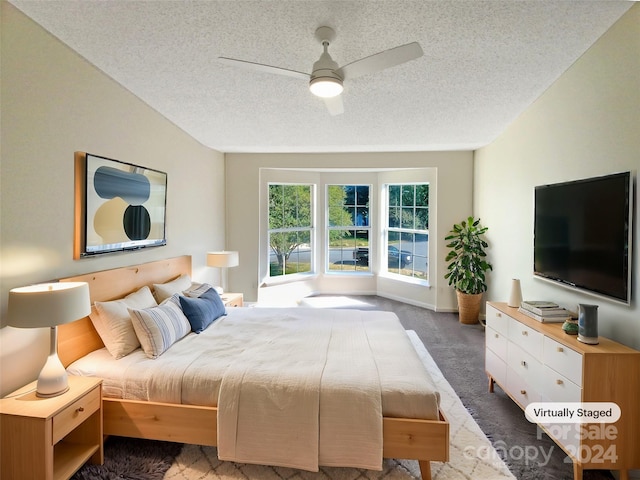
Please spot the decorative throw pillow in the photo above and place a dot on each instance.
(203, 310)
(160, 327)
(197, 289)
(113, 323)
(163, 291)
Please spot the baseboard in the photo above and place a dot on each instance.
(408, 301)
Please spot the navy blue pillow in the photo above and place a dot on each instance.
(203, 310)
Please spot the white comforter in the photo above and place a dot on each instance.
(294, 387)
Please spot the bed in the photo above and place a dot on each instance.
(160, 419)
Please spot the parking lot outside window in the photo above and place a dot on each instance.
(407, 227)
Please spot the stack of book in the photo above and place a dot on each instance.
(544, 311)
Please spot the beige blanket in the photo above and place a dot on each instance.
(291, 402)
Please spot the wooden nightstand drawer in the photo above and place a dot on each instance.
(76, 413)
(232, 299)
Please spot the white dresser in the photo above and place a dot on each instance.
(537, 362)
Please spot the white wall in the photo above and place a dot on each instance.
(54, 103)
(586, 124)
(452, 187)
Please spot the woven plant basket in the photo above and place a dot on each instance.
(469, 307)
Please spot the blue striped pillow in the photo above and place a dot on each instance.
(160, 327)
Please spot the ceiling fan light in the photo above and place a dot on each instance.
(326, 87)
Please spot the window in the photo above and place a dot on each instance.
(408, 230)
(348, 227)
(290, 229)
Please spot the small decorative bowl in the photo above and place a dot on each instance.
(570, 327)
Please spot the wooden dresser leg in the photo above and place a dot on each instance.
(491, 382)
(425, 469)
(624, 474)
(577, 471)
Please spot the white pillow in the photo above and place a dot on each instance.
(160, 327)
(113, 322)
(163, 291)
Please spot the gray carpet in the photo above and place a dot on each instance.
(459, 352)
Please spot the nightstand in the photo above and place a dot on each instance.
(232, 299)
(51, 438)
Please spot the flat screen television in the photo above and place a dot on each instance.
(119, 206)
(583, 235)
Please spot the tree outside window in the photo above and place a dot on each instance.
(348, 227)
(290, 229)
(408, 230)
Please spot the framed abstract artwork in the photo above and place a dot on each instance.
(118, 206)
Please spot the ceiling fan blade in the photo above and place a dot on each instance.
(334, 105)
(263, 68)
(380, 61)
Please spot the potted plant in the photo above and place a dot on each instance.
(467, 267)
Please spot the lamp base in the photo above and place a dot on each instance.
(51, 395)
(53, 379)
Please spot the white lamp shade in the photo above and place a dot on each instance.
(224, 259)
(48, 304)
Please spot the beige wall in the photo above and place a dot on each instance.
(452, 191)
(586, 124)
(54, 103)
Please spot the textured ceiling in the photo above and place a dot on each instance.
(484, 62)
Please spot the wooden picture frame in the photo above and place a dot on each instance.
(119, 206)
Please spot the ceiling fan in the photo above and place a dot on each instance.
(326, 78)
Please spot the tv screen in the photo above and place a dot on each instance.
(582, 234)
(122, 206)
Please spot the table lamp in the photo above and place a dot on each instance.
(49, 305)
(221, 260)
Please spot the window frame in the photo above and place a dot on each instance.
(387, 229)
(284, 277)
(328, 227)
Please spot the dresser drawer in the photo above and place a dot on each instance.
(528, 367)
(68, 419)
(558, 388)
(497, 342)
(563, 360)
(497, 320)
(496, 367)
(526, 338)
(520, 389)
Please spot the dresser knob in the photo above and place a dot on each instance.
(523, 392)
(497, 336)
(525, 333)
(499, 315)
(523, 363)
(559, 382)
(80, 409)
(560, 349)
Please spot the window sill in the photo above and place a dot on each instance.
(299, 277)
(404, 279)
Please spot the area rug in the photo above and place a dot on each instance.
(471, 454)
(132, 459)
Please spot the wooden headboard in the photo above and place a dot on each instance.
(79, 338)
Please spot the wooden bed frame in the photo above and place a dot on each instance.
(408, 438)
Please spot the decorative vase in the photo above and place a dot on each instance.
(515, 299)
(588, 323)
(469, 307)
